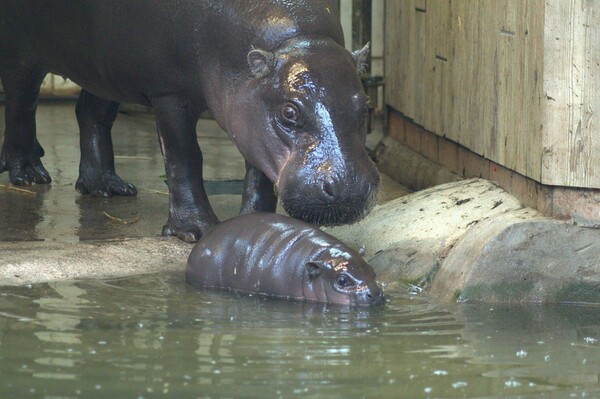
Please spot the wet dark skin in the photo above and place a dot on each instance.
(274, 255)
(274, 73)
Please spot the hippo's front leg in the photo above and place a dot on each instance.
(190, 214)
(258, 195)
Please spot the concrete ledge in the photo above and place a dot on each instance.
(34, 262)
(410, 168)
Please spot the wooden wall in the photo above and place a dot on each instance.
(512, 80)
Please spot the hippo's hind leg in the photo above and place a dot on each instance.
(258, 195)
(97, 174)
(190, 213)
(21, 152)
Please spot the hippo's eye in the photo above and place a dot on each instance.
(290, 114)
(343, 280)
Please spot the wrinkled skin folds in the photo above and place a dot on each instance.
(274, 255)
(277, 79)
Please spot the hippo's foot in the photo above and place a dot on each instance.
(24, 171)
(187, 232)
(105, 186)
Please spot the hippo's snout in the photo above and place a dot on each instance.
(370, 296)
(329, 200)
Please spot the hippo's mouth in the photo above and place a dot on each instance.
(336, 213)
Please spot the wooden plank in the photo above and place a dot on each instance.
(395, 57)
(507, 101)
(439, 59)
(533, 90)
(467, 41)
(430, 69)
(571, 141)
(417, 77)
(487, 78)
(390, 50)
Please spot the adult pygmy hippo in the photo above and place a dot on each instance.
(274, 255)
(275, 74)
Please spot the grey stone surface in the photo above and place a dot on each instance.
(406, 238)
(522, 257)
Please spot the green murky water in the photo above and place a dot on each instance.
(154, 336)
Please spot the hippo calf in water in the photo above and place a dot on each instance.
(274, 255)
(274, 73)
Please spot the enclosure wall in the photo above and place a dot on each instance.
(514, 81)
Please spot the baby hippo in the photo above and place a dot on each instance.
(274, 255)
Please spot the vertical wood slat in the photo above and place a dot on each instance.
(421, 69)
(468, 47)
(393, 55)
(438, 64)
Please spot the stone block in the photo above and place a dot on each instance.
(520, 257)
(406, 238)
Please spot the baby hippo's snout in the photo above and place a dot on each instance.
(369, 295)
(351, 279)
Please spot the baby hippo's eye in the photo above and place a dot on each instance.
(343, 280)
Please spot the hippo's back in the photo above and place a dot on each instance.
(256, 249)
(135, 49)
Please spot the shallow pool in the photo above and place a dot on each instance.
(154, 336)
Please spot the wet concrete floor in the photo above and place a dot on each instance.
(57, 213)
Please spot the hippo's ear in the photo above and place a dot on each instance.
(260, 62)
(314, 269)
(360, 57)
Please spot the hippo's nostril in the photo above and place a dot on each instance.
(328, 189)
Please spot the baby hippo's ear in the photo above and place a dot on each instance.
(314, 269)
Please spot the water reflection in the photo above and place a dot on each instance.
(21, 210)
(153, 336)
(553, 346)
